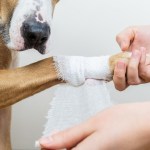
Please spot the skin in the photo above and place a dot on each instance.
(134, 39)
(116, 128)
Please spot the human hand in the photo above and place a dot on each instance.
(133, 38)
(122, 127)
(136, 71)
(127, 73)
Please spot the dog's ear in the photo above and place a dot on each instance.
(6, 10)
(54, 2)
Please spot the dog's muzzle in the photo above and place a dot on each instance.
(35, 34)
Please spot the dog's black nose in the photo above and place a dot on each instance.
(35, 35)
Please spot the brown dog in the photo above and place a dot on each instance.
(22, 28)
(23, 25)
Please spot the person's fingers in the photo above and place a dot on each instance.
(119, 77)
(144, 72)
(68, 138)
(125, 38)
(142, 65)
(133, 68)
(99, 140)
(92, 142)
(143, 57)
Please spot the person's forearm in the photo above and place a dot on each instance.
(20, 83)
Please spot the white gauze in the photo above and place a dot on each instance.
(83, 96)
(76, 69)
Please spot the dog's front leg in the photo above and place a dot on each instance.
(5, 123)
(17, 84)
(20, 83)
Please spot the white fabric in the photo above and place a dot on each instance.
(97, 68)
(76, 69)
(71, 104)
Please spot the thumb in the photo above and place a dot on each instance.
(67, 138)
(125, 38)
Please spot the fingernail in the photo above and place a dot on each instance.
(46, 140)
(120, 65)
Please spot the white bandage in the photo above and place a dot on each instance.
(76, 69)
(97, 68)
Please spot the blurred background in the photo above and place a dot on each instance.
(80, 27)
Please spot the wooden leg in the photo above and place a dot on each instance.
(5, 123)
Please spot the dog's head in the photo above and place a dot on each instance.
(26, 24)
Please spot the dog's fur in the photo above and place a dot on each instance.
(17, 84)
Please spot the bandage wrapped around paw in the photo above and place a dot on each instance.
(76, 69)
